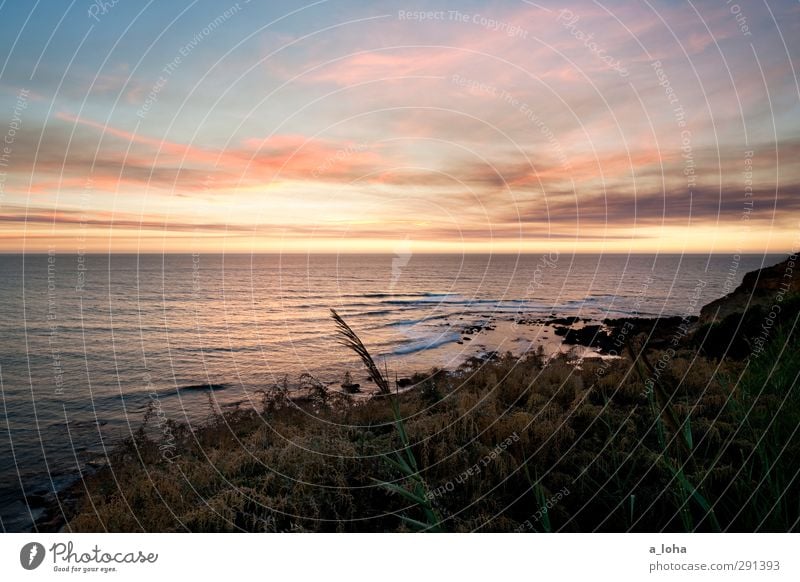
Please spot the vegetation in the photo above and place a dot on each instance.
(691, 443)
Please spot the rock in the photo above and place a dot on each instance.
(36, 501)
(726, 326)
(201, 387)
(758, 288)
(563, 320)
(404, 382)
(591, 336)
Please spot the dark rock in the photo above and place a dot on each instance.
(659, 331)
(36, 501)
(563, 320)
(200, 387)
(591, 336)
(727, 326)
(758, 288)
(477, 328)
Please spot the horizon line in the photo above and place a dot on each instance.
(788, 252)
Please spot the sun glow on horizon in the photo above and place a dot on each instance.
(352, 135)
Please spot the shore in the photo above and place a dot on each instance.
(605, 441)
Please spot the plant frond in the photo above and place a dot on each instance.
(350, 339)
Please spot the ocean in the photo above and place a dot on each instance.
(89, 340)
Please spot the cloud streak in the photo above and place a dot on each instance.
(358, 123)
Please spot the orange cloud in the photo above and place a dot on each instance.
(177, 166)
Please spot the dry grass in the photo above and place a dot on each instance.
(318, 466)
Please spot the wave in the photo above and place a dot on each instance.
(428, 298)
(603, 298)
(428, 344)
(374, 313)
(210, 386)
(427, 318)
(455, 299)
(289, 294)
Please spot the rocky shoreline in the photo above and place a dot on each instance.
(719, 329)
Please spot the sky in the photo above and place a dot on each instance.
(345, 126)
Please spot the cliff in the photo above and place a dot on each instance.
(762, 288)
